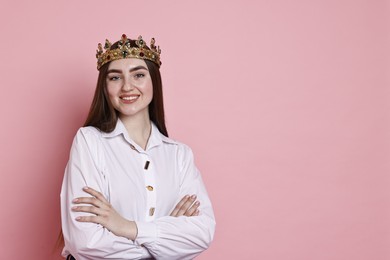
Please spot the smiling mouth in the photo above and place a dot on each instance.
(129, 98)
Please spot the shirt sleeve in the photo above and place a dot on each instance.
(89, 240)
(181, 237)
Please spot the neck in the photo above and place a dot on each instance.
(138, 127)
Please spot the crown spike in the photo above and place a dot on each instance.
(100, 48)
(107, 45)
(152, 46)
(140, 42)
(124, 38)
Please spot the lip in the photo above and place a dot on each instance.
(128, 99)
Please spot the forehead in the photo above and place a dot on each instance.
(126, 63)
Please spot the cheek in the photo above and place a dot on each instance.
(111, 94)
(148, 91)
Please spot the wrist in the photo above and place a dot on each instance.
(132, 230)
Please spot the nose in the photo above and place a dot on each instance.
(127, 85)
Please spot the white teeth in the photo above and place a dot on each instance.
(130, 98)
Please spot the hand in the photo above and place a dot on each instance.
(105, 214)
(186, 207)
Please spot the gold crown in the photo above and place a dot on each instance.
(124, 51)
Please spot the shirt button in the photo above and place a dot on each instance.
(146, 165)
(150, 188)
(151, 211)
(133, 147)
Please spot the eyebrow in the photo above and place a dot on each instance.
(131, 70)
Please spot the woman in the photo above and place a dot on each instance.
(129, 191)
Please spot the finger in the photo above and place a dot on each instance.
(179, 205)
(90, 219)
(87, 209)
(186, 205)
(89, 200)
(196, 213)
(95, 193)
(190, 212)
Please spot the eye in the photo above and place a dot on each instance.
(113, 78)
(139, 75)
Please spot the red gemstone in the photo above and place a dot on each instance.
(123, 35)
(141, 54)
(108, 57)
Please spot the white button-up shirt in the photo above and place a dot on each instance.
(142, 185)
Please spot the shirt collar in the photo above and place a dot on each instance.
(156, 138)
(119, 129)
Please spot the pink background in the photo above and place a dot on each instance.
(285, 104)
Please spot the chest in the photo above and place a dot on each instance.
(139, 181)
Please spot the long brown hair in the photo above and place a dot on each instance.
(103, 116)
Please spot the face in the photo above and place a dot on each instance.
(129, 87)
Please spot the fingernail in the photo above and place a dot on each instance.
(78, 218)
(197, 203)
(193, 196)
(186, 196)
(75, 200)
(85, 188)
(74, 208)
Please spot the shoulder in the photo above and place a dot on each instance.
(87, 145)
(185, 159)
(183, 152)
(181, 147)
(88, 133)
(89, 137)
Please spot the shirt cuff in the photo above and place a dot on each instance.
(146, 254)
(147, 233)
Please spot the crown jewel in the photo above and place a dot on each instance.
(124, 51)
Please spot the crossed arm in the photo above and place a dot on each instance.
(105, 215)
(183, 234)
